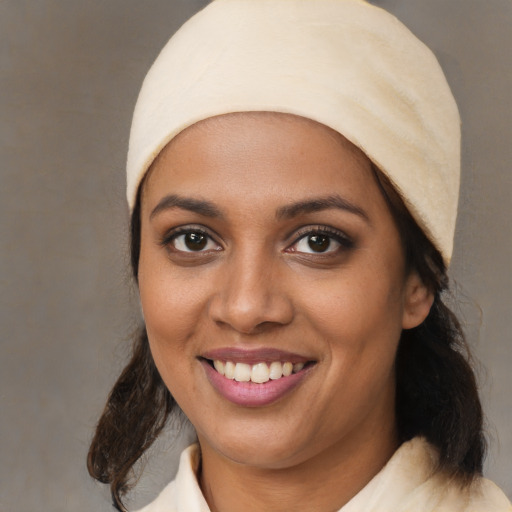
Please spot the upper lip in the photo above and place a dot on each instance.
(253, 356)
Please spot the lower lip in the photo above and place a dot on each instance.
(251, 394)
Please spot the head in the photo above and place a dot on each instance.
(257, 191)
(391, 289)
(285, 223)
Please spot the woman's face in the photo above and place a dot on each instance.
(266, 248)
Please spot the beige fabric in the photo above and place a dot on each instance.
(345, 63)
(405, 484)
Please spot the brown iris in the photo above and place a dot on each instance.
(319, 243)
(196, 241)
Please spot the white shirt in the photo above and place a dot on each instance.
(407, 483)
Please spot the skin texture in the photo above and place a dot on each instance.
(256, 283)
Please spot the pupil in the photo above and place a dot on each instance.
(195, 241)
(319, 243)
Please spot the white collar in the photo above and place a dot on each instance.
(407, 483)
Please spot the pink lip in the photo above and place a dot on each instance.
(253, 356)
(251, 394)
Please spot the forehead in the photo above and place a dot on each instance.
(245, 151)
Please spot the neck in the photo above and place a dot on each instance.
(325, 482)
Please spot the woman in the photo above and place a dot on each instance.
(293, 177)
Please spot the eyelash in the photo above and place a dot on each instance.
(341, 238)
(172, 235)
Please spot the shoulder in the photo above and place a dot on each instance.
(440, 492)
(410, 482)
(488, 496)
(183, 494)
(481, 496)
(165, 502)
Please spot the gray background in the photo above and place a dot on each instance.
(70, 71)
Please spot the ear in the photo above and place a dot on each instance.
(418, 300)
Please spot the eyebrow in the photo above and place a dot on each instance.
(199, 206)
(318, 204)
(208, 209)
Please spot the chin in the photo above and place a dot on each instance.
(259, 447)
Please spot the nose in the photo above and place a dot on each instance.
(251, 297)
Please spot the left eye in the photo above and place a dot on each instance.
(193, 241)
(316, 243)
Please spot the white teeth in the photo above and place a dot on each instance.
(242, 372)
(287, 369)
(297, 367)
(276, 370)
(229, 370)
(219, 366)
(258, 373)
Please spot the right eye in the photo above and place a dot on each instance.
(317, 243)
(191, 240)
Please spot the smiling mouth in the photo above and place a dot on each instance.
(258, 373)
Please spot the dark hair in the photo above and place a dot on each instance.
(436, 391)
(436, 394)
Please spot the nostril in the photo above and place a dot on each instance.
(251, 317)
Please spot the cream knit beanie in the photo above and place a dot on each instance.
(344, 63)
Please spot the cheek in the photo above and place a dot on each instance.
(359, 321)
(169, 300)
(356, 304)
(170, 307)
(170, 324)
